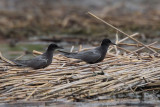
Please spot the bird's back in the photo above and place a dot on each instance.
(89, 56)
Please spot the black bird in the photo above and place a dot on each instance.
(40, 61)
(93, 55)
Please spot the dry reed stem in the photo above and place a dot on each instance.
(135, 45)
(122, 40)
(6, 60)
(121, 32)
(143, 47)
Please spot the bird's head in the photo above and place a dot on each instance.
(54, 46)
(107, 42)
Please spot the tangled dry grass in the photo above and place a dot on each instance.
(120, 72)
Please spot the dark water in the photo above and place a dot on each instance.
(23, 48)
(82, 104)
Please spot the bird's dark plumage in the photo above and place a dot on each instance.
(91, 56)
(40, 61)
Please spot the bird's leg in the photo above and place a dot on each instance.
(93, 70)
(102, 72)
(77, 61)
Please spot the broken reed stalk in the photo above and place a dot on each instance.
(133, 35)
(6, 60)
(36, 52)
(129, 44)
(20, 56)
(126, 50)
(143, 47)
(122, 40)
(117, 39)
(121, 32)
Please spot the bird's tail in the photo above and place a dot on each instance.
(13, 63)
(19, 62)
(68, 54)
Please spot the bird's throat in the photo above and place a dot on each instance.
(104, 48)
(49, 53)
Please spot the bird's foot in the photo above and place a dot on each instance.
(101, 73)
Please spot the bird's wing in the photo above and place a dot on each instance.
(37, 62)
(89, 56)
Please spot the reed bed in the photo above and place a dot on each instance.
(66, 78)
(122, 71)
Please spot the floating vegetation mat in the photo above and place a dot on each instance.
(72, 80)
(122, 71)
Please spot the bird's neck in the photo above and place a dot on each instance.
(49, 53)
(104, 48)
